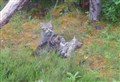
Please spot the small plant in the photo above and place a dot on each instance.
(73, 77)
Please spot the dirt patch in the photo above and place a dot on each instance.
(96, 62)
(72, 19)
(28, 35)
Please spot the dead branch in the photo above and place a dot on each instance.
(7, 12)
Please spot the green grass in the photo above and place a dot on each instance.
(19, 66)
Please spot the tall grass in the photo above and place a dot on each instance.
(19, 65)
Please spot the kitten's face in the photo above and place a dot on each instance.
(47, 28)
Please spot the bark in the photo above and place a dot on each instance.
(94, 9)
(61, 1)
(11, 7)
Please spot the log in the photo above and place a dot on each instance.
(11, 7)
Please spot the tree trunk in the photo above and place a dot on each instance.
(7, 12)
(61, 1)
(94, 9)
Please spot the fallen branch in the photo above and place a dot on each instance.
(7, 12)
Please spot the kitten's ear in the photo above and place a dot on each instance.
(50, 23)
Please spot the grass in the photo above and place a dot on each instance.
(19, 66)
(97, 61)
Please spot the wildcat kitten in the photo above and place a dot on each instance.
(48, 38)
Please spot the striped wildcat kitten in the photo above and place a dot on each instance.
(48, 38)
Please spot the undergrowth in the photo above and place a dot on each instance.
(19, 65)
